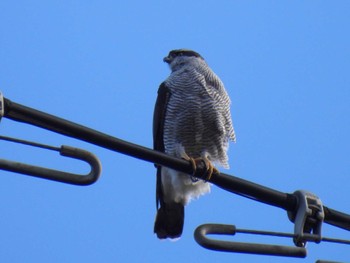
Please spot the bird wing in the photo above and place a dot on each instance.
(158, 132)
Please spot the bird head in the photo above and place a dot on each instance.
(181, 57)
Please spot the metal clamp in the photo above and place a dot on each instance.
(308, 218)
(241, 247)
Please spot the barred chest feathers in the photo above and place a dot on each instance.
(197, 116)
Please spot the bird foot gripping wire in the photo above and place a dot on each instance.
(202, 168)
(308, 218)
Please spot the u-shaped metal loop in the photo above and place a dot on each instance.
(241, 247)
(56, 175)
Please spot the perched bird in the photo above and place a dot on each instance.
(191, 120)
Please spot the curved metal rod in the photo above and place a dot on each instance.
(56, 175)
(241, 247)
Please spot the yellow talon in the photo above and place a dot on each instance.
(210, 169)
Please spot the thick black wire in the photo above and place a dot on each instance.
(233, 184)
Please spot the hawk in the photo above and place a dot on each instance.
(191, 120)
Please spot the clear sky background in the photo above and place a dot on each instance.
(285, 65)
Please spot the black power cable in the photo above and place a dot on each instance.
(233, 184)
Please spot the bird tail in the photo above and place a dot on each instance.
(169, 220)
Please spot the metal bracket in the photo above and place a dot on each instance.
(308, 218)
(56, 175)
(241, 247)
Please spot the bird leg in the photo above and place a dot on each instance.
(210, 169)
(197, 168)
(202, 167)
(193, 164)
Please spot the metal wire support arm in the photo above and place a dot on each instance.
(241, 247)
(232, 184)
(201, 236)
(56, 175)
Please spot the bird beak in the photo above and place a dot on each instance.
(167, 60)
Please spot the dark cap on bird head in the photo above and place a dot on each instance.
(181, 52)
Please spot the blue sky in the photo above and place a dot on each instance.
(285, 65)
